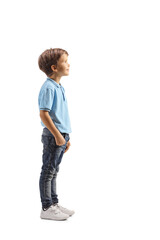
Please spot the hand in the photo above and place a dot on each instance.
(60, 140)
(67, 146)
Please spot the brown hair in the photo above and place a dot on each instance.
(48, 58)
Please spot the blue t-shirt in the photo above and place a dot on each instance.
(52, 98)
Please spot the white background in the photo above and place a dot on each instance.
(111, 174)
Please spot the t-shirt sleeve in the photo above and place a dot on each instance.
(46, 99)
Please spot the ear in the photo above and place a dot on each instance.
(54, 68)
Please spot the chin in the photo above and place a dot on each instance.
(65, 74)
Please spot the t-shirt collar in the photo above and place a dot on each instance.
(54, 82)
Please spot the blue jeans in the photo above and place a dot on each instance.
(52, 157)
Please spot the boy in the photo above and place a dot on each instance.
(55, 136)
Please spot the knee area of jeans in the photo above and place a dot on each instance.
(49, 171)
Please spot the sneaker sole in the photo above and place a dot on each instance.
(54, 219)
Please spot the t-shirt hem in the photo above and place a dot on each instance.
(46, 109)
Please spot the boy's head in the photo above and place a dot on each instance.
(54, 61)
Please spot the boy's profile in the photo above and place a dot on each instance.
(55, 120)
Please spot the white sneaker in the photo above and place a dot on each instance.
(65, 210)
(53, 213)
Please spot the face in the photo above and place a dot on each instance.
(63, 65)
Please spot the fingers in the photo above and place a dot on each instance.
(67, 146)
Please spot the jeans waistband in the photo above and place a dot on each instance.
(46, 132)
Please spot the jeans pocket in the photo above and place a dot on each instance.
(53, 142)
(62, 146)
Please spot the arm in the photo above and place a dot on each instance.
(46, 119)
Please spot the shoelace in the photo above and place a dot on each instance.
(56, 209)
(61, 207)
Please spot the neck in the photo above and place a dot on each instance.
(56, 78)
